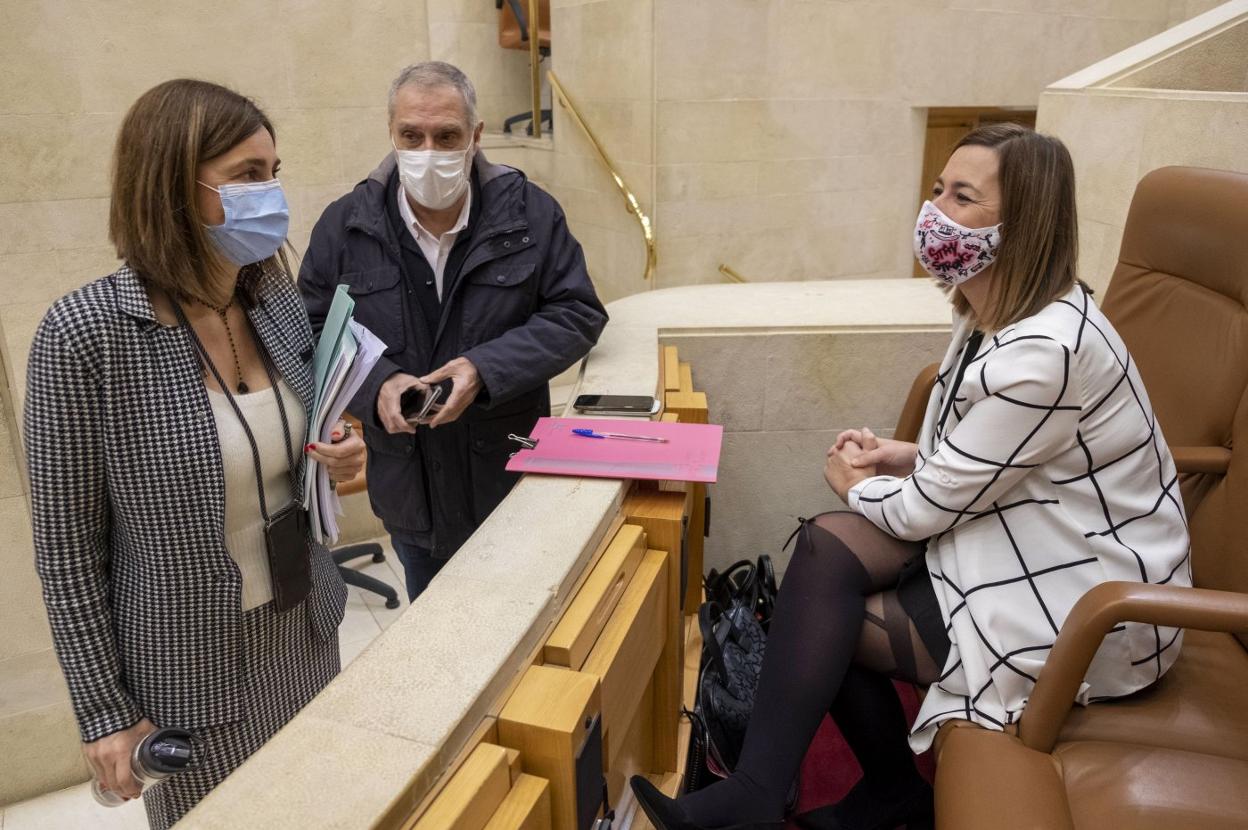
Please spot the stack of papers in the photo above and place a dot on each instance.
(344, 356)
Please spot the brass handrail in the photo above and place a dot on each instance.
(535, 59)
(729, 272)
(634, 207)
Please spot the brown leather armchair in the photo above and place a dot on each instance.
(1175, 755)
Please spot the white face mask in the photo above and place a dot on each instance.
(436, 179)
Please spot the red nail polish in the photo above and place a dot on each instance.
(309, 448)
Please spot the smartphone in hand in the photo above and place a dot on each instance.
(418, 406)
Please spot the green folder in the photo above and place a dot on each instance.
(330, 344)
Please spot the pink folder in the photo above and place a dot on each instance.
(691, 452)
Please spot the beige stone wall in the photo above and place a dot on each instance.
(784, 138)
(1181, 10)
(1118, 127)
(602, 51)
(38, 743)
(790, 133)
(783, 397)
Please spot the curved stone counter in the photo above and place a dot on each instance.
(374, 743)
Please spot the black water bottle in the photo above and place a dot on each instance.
(161, 754)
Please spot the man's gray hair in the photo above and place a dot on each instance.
(429, 74)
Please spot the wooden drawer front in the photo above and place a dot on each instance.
(547, 719)
(473, 794)
(625, 655)
(574, 637)
(526, 807)
(632, 749)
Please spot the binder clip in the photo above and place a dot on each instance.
(524, 442)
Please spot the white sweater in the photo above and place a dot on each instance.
(244, 525)
(1049, 476)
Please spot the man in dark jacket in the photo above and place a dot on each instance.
(466, 271)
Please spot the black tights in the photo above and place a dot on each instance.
(838, 634)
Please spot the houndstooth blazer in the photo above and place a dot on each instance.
(128, 506)
(1043, 474)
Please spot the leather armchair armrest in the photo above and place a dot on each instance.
(910, 421)
(986, 781)
(1201, 459)
(1100, 610)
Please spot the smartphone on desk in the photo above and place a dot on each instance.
(420, 405)
(643, 405)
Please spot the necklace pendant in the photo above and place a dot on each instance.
(242, 388)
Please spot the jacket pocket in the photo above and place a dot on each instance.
(327, 603)
(490, 448)
(498, 296)
(378, 295)
(396, 482)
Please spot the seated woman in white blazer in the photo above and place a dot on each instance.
(1040, 472)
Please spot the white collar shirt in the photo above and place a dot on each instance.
(435, 248)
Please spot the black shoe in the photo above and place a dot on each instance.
(665, 813)
(863, 809)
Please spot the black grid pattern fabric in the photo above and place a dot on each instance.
(1047, 476)
(128, 506)
(286, 666)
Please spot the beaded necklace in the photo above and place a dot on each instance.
(223, 312)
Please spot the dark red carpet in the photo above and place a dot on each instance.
(829, 769)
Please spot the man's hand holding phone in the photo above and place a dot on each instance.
(420, 406)
(405, 401)
(389, 402)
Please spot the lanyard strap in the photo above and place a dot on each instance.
(225, 389)
(970, 350)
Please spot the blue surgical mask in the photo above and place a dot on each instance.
(256, 221)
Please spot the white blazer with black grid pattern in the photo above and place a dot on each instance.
(128, 505)
(1049, 476)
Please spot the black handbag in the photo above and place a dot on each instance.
(740, 601)
(752, 584)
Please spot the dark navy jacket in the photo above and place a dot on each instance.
(517, 302)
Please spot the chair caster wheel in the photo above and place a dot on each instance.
(392, 603)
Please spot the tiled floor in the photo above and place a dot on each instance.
(73, 808)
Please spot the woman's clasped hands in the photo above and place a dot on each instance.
(859, 454)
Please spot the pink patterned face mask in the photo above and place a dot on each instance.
(950, 252)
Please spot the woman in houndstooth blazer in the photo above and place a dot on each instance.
(1040, 472)
(142, 390)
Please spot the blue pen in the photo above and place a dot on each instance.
(589, 433)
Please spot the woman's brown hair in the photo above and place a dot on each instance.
(1039, 250)
(153, 217)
